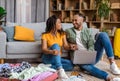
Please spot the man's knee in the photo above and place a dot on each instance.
(103, 35)
(87, 67)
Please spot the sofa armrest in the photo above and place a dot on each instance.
(2, 44)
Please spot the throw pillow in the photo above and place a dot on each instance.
(23, 33)
(9, 32)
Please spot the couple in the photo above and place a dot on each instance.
(54, 38)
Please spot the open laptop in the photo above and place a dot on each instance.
(83, 57)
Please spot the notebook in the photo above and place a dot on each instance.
(84, 57)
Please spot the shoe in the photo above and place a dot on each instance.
(114, 68)
(116, 79)
(62, 74)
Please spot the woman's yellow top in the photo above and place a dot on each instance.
(58, 39)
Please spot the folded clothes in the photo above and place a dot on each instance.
(52, 77)
(45, 76)
(6, 69)
(74, 78)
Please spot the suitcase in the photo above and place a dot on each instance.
(116, 44)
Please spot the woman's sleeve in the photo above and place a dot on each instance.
(43, 37)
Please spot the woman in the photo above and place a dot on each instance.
(52, 41)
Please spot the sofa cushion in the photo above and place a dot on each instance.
(23, 33)
(23, 47)
(94, 31)
(10, 32)
(66, 25)
(11, 23)
(39, 28)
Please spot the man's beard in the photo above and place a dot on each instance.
(78, 26)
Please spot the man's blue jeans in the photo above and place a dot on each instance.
(56, 61)
(102, 42)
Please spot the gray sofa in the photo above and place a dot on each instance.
(20, 49)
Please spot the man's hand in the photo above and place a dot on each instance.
(73, 47)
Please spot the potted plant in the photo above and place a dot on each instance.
(2, 14)
(103, 10)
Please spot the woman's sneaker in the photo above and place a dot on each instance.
(114, 68)
(62, 74)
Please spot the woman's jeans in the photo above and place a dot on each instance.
(56, 61)
(102, 42)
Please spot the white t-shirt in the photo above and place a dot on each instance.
(78, 40)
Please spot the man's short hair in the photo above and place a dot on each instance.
(81, 15)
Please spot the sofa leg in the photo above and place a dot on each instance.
(1, 61)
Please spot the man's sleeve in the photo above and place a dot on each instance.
(91, 42)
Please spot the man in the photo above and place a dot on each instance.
(80, 38)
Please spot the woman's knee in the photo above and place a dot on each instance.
(55, 46)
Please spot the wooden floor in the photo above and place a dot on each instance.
(37, 62)
(116, 60)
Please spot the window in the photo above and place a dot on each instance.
(23, 11)
(26, 11)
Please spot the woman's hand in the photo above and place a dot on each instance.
(55, 52)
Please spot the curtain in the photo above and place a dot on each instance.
(38, 9)
(25, 11)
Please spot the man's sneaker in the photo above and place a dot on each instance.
(116, 79)
(62, 74)
(114, 68)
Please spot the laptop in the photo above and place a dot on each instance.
(83, 57)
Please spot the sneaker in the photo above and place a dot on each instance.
(116, 79)
(114, 68)
(62, 74)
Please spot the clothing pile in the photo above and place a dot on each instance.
(26, 72)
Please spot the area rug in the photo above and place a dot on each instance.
(102, 65)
